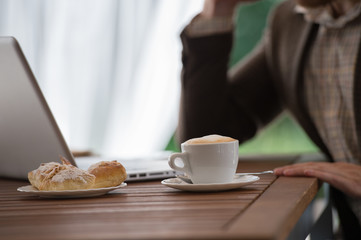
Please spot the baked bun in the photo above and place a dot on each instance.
(55, 177)
(108, 174)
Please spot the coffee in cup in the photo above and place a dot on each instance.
(206, 160)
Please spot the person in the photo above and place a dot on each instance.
(307, 63)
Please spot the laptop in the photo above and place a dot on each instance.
(29, 134)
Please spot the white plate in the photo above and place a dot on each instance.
(82, 193)
(239, 181)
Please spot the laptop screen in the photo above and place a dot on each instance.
(29, 134)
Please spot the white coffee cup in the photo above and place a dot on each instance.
(210, 159)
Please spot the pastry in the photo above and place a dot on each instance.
(37, 176)
(55, 177)
(108, 174)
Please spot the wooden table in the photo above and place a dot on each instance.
(267, 209)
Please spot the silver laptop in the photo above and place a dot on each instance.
(29, 134)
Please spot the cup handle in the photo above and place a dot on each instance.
(184, 158)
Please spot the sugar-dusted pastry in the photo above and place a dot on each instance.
(55, 177)
(37, 176)
(108, 174)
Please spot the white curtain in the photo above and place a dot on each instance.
(109, 69)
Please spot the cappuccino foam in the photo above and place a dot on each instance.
(209, 139)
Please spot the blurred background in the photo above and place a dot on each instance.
(110, 70)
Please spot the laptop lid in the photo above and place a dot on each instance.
(29, 134)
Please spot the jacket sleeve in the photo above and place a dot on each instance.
(216, 100)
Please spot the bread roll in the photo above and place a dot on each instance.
(56, 177)
(107, 174)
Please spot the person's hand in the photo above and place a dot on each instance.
(215, 8)
(344, 176)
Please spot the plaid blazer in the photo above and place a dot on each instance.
(239, 101)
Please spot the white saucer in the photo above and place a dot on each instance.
(239, 181)
(82, 193)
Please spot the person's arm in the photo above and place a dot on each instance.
(214, 100)
(346, 177)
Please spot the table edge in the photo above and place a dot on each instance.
(279, 195)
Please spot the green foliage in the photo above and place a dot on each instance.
(172, 145)
(282, 136)
(250, 22)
